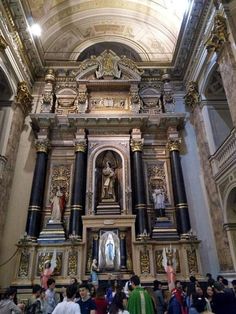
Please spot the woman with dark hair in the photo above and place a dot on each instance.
(119, 304)
(209, 299)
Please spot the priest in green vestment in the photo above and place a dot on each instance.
(140, 302)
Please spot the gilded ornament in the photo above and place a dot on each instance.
(72, 264)
(60, 178)
(136, 145)
(3, 43)
(50, 76)
(108, 65)
(42, 145)
(219, 34)
(144, 262)
(192, 261)
(174, 144)
(81, 146)
(192, 97)
(159, 262)
(24, 97)
(23, 270)
(82, 97)
(128, 63)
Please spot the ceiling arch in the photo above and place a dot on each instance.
(149, 27)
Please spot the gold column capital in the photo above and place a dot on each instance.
(42, 145)
(192, 97)
(219, 35)
(174, 144)
(24, 98)
(80, 146)
(136, 145)
(3, 43)
(122, 235)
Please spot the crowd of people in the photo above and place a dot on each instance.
(213, 296)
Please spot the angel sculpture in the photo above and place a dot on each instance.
(169, 263)
(49, 267)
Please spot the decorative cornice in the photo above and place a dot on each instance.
(136, 145)
(81, 146)
(24, 98)
(192, 97)
(219, 35)
(3, 43)
(174, 144)
(42, 145)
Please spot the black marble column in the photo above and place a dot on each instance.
(78, 191)
(37, 191)
(182, 214)
(123, 255)
(139, 197)
(95, 246)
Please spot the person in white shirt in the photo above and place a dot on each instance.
(68, 306)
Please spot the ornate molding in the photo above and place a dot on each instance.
(219, 35)
(136, 145)
(174, 144)
(24, 98)
(192, 97)
(3, 43)
(42, 145)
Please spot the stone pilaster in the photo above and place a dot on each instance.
(21, 107)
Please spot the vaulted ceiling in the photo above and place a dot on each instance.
(143, 28)
(157, 34)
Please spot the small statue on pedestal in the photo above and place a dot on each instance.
(58, 203)
(158, 196)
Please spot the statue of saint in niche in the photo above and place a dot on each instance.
(158, 196)
(109, 251)
(108, 182)
(58, 203)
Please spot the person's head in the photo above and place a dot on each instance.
(178, 284)
(100, 293)
(156, 285)
(36, 290)
(192, 279)
(218, 287)
(209, 292)
(71, 291)
(225, 282)
(92, 290)
(51, 283)
(209, 276)
(73, 281)
(10, 293)
(135, 281)
(234, 284)
(198, 291)
(119, 303)
(220, 278)
(47, 264)
(84, 290)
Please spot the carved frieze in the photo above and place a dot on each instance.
(192, 261)
(3, 43)
(144, 262)
(23, 270)
(72, 264)
(171, 258)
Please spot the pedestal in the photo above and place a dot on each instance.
(164, 230)
(108, 207)
(53, 233)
